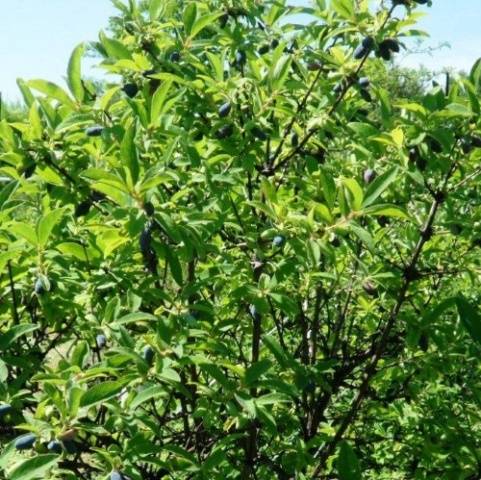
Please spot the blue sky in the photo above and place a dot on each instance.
(37, 36)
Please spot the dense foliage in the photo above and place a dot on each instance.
(243, 259)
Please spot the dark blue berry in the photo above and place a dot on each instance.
(54, 446)
(25, 441)
(94, 131)
(224, 109)
(101, 340)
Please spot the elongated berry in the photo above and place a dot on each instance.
(25, 442)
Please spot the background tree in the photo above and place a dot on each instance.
(247, 260)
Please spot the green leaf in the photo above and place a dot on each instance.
(101, 392)
(135, 317)
(344, 8)
(73, 249)
(52, 91)
(255, 371)
(470, 318)
(158, 101)
(475, 74)
(27, 95)
(155, 8)
(190, 14)
(7, 191)
(279, 71)
(356, 191)
(203, 22)
(348, 463)
(128, 152)
(438, 310)
(36, 127)
(146, 395)
(378, 186)
(25, 231)
(79, 353)
(175, 266)
(283, 358)
(170, 375)
(34, 468)
(217, 374)
(46, 225)
(17, 331)
(115, 49)
(386, 210)
(217, 63)
(74, 73)
(456, 110)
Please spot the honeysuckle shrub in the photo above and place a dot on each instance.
(242, 258)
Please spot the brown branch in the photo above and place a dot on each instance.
(324, 452)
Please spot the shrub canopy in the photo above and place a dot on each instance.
(242, 259)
